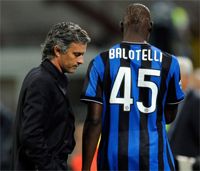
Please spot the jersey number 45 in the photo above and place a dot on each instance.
(125, 73)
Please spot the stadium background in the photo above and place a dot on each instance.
(25, 23)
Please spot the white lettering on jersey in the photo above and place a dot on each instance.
(144, 54)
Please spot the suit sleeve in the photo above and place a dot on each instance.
(32, 133)
(175, 93)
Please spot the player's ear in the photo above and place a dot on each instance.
(122, 26)
(150, 26)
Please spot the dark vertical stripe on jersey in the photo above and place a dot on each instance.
(169, 158)
(86, 82)
(144, 135)
(104, 165)
(99, 87)
(123, 128)
(166, 62)
(172, 89)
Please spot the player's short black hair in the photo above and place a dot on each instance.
(136, 14)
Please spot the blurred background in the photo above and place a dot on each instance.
(25, 23)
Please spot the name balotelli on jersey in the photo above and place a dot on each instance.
(139, 54)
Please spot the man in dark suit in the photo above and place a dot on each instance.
(184, 133)
(44, 127)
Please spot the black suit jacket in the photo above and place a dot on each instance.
(184, 133)
(44, 129)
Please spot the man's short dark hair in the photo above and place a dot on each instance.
(63, 34)
(136, 14)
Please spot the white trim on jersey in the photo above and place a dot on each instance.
(91, 101)
(175, 102)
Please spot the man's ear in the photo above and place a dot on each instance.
(150, 27)
(56, 50)
(122, 26)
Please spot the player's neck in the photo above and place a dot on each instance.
(134, 39)
(130, 36)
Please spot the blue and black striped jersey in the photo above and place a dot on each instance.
(134, 82)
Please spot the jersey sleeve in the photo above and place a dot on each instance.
(175, 93)
(92, 88)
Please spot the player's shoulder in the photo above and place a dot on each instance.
(171, 56)
(104, 54)
(164, 53)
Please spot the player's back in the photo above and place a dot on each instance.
(133, 81)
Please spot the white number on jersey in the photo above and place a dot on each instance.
(125, 72)
(148, 84)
